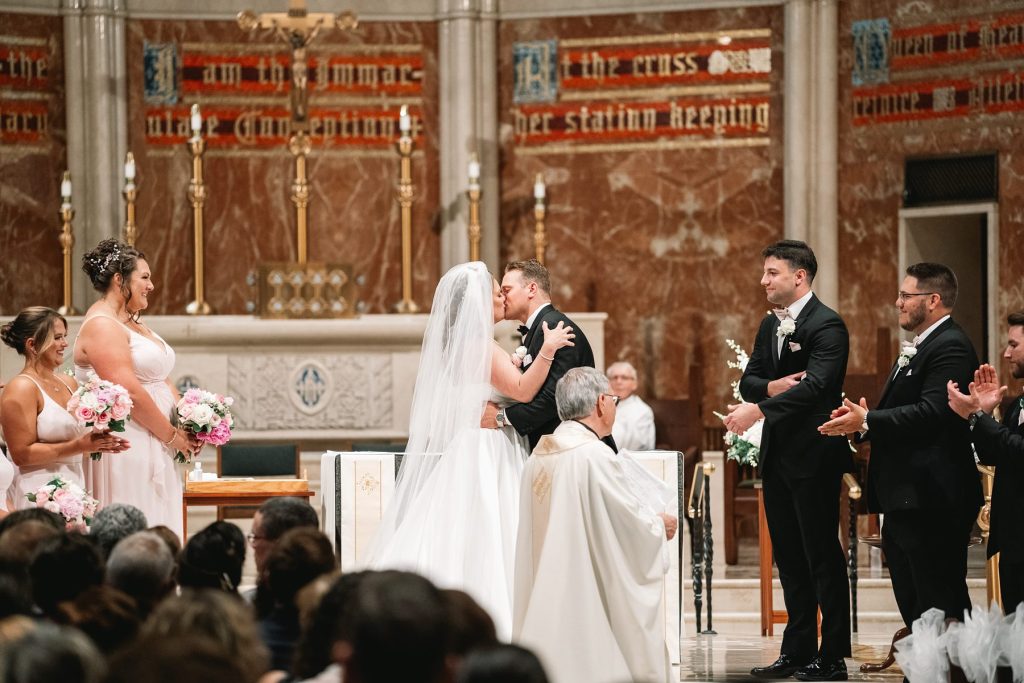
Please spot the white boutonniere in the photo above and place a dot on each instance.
(786, 327)
(520, 358)
(907, 352)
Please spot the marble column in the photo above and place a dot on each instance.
(799, 129)
(487, 135)
(824, 228)
(97, 122)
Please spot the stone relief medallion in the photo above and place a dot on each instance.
(310, 387)
(368, 484)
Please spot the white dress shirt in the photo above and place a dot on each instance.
(634, 425)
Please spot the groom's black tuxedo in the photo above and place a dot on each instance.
(923, 477)
(540, 416)
(801, 472)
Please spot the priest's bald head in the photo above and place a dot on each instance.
(582, 395)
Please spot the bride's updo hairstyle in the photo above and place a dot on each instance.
(111, 257)
(35, 323)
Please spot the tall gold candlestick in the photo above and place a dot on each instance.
(540, 238)
(406, 194)
(993, 589)
(67, 243)
(300, 145)
(197, 197)
(130, 193)
(474, 209)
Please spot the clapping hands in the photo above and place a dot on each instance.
(985, 393)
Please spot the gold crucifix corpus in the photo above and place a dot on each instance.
(298, 28)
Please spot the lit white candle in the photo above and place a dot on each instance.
(404, 120)
(197, 120)
(129, 168)
(474, 170)
(538, 188)
(65, 187)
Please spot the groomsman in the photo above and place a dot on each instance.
(793, 379)
(1001, 445)
(922, 474)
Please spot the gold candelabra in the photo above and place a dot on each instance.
(67, 243)
(474, 209)
(540, 238)
(988, 476)
(406, 194)
(300, 145)
(197, 197)
(130, 193)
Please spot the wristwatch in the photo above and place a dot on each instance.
(973, 418)
(501, 419)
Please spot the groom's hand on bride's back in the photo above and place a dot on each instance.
(487, 420)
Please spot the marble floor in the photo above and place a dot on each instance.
(729, 658)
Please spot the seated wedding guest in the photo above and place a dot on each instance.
(43, 438)
(142, 567)
(470, 627)
(298, 557)
(502, 664)
(314, 650)
(106, 615)
(634, 419)
(213, 616)
(588, 545)
(169, 538)
(17, 548)
(394, 629)
(213, 558)
(31, 514)
(184, 658)
(114, 522)
(47, 653)
(275, 517)
(1001, 445)
(62, 569)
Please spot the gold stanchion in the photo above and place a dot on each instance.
(406, 194)
(197, 197)
(67, 241)
(540, 238)
(300, 145)
(474, 209)
(988, 477)
(130, 228)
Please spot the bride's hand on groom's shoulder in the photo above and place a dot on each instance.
(557, 337)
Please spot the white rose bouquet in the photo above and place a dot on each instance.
(743, 449)
(207, 415)
(101, 405)
(67, 499)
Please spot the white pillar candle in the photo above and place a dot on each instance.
(65, 187)
(404, 120)
(129, 167)
(474, 170)
(197, 120)
(538, 188)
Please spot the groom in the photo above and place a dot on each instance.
(527, 290)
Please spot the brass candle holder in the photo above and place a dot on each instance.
(992, 586)
(67, 243)
(197, 197)
(540, 238)
(474, 211)
(406, 195)
(130, 193)
(300, 145)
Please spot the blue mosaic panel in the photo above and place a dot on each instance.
(310, 386)
(161, 73)
(871, 51)
(536, 71)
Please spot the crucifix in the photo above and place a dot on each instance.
(298, 28)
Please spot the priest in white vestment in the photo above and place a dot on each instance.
(590, 554)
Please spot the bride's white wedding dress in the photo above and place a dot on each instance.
(454, 514)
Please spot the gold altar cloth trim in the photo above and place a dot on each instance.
(695, 37)
(323, 48)
(641, 146)
(644, 93)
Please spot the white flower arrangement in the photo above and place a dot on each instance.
(743, 449)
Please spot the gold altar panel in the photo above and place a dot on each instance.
(241, 82)
(658, 216)
(32, 159)
(940, 102)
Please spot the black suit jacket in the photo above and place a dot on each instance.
(540, 416)
(1002, 445)
(921, 454)
(791, 440)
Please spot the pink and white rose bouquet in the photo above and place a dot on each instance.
(67, 499)
(207, 415)
(101, 405)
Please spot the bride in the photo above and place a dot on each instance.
(454, 513)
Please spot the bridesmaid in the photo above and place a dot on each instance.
(115, 344)
(43, 438)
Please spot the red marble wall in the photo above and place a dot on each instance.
(871, 158)
(666, 241)
(249, 216)
(32, 158)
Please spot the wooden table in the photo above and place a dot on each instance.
(238, 492)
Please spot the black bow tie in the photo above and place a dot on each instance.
(524, 330)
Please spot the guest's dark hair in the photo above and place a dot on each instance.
(938, 278)
(313, 649)
(278, 515)
(63, 568)
(298, 557)
(394, 612)
(111, 257)
(213, 558)
(532, 270)
(186, 657)
(105, 614)
(31, 514)
(15, 593)
(469, 625)
(47, 652)
(115, 522)
(35, 323)
(501, 664)
(1015, 319)
(796, 253)
(169, 538)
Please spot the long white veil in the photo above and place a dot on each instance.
(452, 384)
